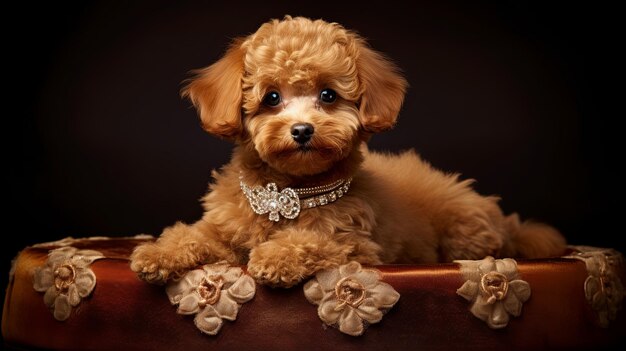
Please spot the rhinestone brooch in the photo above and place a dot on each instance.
(288, 202)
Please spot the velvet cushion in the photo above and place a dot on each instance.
(125, 313)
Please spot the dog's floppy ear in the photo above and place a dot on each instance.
(383, 90)
(216, 93)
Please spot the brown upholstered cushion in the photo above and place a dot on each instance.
(125, 313)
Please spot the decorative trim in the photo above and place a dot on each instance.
(212, 293)
(350, 298)
(603, 287)
(494, 289)
(66, 278)
(69, 241)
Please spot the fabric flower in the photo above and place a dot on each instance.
(605, 294)
(494, 289)
(66, 278)
(603, 287)
(350, 297)
(212, 293)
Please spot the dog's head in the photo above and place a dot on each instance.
(303, 94)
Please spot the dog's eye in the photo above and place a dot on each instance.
(328, 96)
(272, 99)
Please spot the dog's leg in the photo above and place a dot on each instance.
(293, 255)
(180, 248)
(470, 229)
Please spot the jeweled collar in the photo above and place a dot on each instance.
(289, 202)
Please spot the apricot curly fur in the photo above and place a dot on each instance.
(399, 208)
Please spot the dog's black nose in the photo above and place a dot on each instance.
(302, 132)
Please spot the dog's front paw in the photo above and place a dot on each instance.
(274, 276)
(150, 263)
(276, 271)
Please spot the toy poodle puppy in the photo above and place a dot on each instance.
(300, 98)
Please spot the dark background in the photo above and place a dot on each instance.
(514, 94)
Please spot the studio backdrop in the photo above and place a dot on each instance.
(503, 92)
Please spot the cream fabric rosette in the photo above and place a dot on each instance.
(494, 289)
(66, 278)
(213, 293)
(350, 297)
(603, 287)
